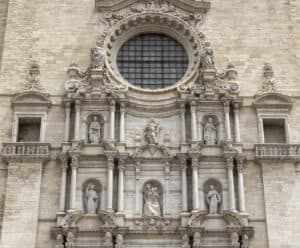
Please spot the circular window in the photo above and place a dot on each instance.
(152, 61)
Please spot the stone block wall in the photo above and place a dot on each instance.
(3, 16)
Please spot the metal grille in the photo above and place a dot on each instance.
(152, 61)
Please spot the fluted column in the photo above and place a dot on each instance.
(63, 158)
(195, 182)
(237, 134)
(74, 166)
(137, 187)
(241, 190)
(167, 189)
(229, 164)
(77, 119)
(110, 178)
(184, 194)
(182, 119)
(122, 122)
(227, 120)
(121, 168)
(67, 121)
(194, 121)
(112, 119)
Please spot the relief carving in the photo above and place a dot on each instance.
(151, 201)
(151, 132)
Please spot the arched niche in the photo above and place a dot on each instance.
(217, 186)
(211, 122)
(91, 194)
(150, 189)
(92, 128)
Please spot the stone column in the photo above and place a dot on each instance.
(137, 188)
(67, 121)
(110, 178)
(121, 168)
(241, 190)
(77, 119)
(184, 193)
(122, 122)
(167, 189)
(64, 166)
(194, 121)
(237, 134)
(182, 119)
(195, 161)
(112, 110)
(227, 120)
(231, 193)
(74, 166)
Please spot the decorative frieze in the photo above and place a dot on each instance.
(277, 152)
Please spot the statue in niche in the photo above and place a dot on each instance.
(207, 57)
(185, 241)
(119, 241)
(245, 241)
(97, 56)
(59, 241)
(210, 132)
(70, 240)
(213, 199)
(197, 240)
(95, 131)
(151, 199)
(151, 132)
(91, 199)
(108, 241)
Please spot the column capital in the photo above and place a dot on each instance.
(112, 103)
(182, 160)
(195, 159)
(182, 107)
(75, 159)
(193, 104)
(226, 101)
(229, 162)
(62, 158)
(122, 107)
(78, 102)
(241, 164)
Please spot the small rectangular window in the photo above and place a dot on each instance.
(29, 129)
(274, 131)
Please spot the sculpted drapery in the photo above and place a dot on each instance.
(151, 199)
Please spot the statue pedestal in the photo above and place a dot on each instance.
(184, 217)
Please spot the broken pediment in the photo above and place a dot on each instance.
(31, 98)
(272, 100)
(187, 5)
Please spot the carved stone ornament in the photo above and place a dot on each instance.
(70, 240)
(185, 241)
(198, 243)
(234, 240)
(119, 241)
(71, 218)
(151, 132)
(33, 83)
(269, 84)
(108, 240)
(152, 223)
(59, 243)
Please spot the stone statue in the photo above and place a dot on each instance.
(95, 131)
(185, 241)
(91, 199)
(119, 241)
(207, 57)
(210, 132)
(97, 57)
(108, 242)
(59, 241)
(151, 132)
(213, 199)
(197, 240)
(235, 240)
(245, 241)
(70, 240)
(151, 199)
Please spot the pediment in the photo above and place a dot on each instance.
(187, 5)
(272, 100)
(152, 152)
(31, 98)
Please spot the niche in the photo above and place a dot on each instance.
(95, 126)
(213, 196)
(210, 127)
(29, 129)
(152, 198)
(91, 192)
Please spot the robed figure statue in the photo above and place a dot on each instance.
(210, 132)
(95, 131)
(213, 199)
(91, 199)
(151, 199)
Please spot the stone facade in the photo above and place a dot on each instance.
(89, 160)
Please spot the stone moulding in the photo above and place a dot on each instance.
(188, 5)
(272, 100)
(25, 151)
(277, 152)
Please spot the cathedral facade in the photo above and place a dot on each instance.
(146, 123)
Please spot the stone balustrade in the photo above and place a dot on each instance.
(277, 151)
(25, 151)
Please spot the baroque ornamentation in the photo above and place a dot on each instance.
(59, 243)
(197, 240)
(269, 84)
(70, 240)
(151, 131)
(108, 240)
(71, 218)
(151, 201)
(234, 240)
(120, 241)
(152, 223)
(33, 83)
(185, 241)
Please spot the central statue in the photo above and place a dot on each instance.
(151, 199)
(151, 132)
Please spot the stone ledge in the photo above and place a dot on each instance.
(25, 152)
